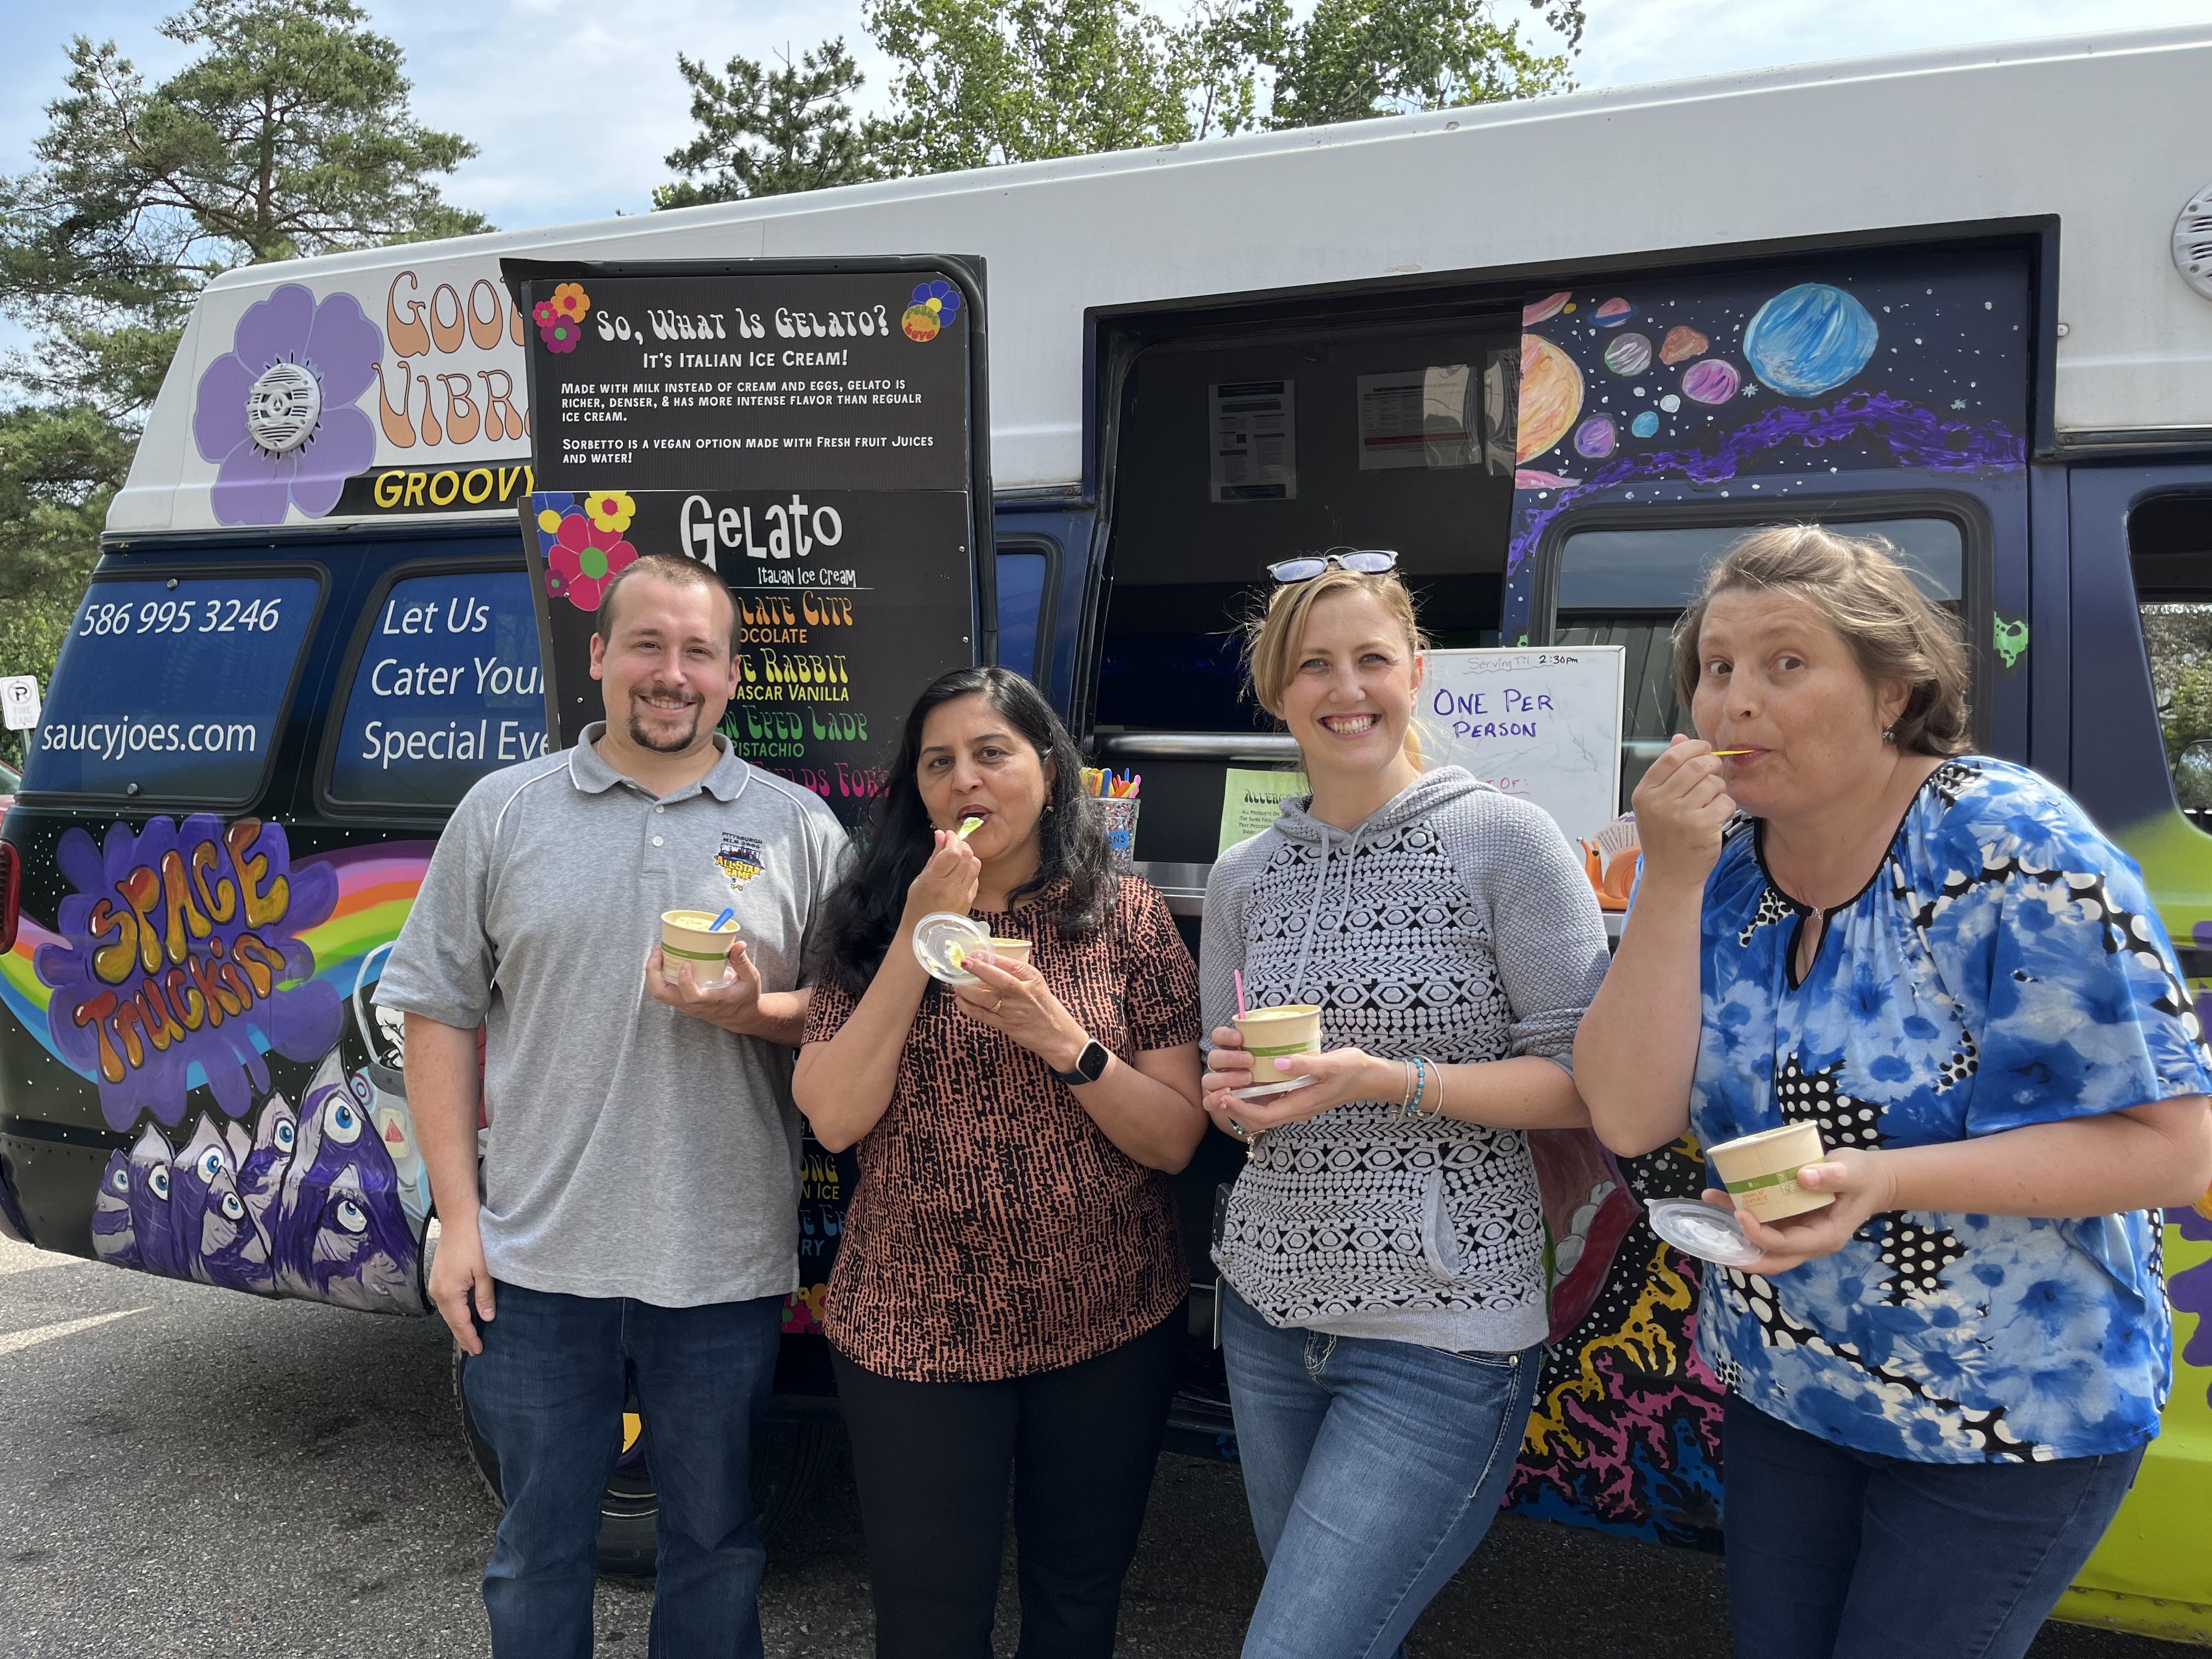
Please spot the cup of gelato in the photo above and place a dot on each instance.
(1269, 1033)
(1761, 1170)
(998, 951)
(690, 938)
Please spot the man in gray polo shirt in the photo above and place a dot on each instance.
(640, 1190)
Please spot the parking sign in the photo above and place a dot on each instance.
(19, 700)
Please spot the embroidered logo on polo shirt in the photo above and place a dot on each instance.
(740, 860)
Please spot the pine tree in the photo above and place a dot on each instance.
(287, 133)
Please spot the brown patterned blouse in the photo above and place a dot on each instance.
(995, 1231)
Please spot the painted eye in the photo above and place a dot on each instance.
(120, 1181)
(209, 1164)
(350, 1216)
(159, 1182)
(233, 1207)
(342, 1123)
(286, 1135)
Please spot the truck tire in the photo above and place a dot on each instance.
(788, 1458)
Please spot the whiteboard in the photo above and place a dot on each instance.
(1542, 724)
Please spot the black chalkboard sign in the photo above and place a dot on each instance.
(814, 431)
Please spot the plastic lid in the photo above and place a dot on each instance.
(942, 941)
(1703, 1230)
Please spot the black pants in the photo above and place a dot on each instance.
(932, 1461)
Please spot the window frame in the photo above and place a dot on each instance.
(341, 697)
(2197, 818)
(280, 728)
(1977, 555)
(1035, 541)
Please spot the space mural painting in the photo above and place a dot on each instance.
(216, 990)
(1750, 389)
(1760, 386)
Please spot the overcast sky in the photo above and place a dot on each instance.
(574, 104)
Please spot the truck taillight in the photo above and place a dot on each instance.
(11, 895)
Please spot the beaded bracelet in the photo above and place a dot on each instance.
(1419, 1067)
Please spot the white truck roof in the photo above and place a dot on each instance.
(2104, 133)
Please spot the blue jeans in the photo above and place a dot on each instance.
(1840, 1554)
(547, 1393)
(1372, 1469)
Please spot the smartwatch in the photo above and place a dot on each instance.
(1090, 1065)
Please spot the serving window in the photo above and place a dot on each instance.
(1233, 452)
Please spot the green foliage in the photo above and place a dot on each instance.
(769, 133)
(1357, 59)
(979, 82)
(2178, 638)
(30, 633)
(1227, 49)
(286, 133)
(984, 82)
(58, 466)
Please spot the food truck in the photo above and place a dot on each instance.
(1558, 353)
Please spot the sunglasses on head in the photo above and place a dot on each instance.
(1366, 561)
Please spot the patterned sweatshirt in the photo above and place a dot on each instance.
(1454, 923)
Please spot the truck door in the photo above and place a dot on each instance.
(2140, 707)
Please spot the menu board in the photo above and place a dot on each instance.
(816, 434)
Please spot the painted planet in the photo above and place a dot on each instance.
(1595, 437)
(1613, 313)
(1670, 403)
(1682, 343)
(1644, 425)
(1809, 339)
(1628, 354)
(1544, 309)
(1551, 396)
(1712, 381)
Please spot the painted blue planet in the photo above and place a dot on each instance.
(1644, 424)
(1809, 339)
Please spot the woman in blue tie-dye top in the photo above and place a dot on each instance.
(1939, 1387)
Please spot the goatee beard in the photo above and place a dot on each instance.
(642, 736)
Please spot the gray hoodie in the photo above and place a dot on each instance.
(1454, 923)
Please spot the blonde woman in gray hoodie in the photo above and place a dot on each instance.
(1383, 1252)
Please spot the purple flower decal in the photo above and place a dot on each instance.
(180, 962)
(2191, 1290)
(276, 412)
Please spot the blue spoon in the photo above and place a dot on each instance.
(723, 920)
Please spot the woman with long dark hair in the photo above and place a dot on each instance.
(1004, 1298)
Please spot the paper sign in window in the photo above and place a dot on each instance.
(1420, 418)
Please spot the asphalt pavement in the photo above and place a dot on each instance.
(187, 1471)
